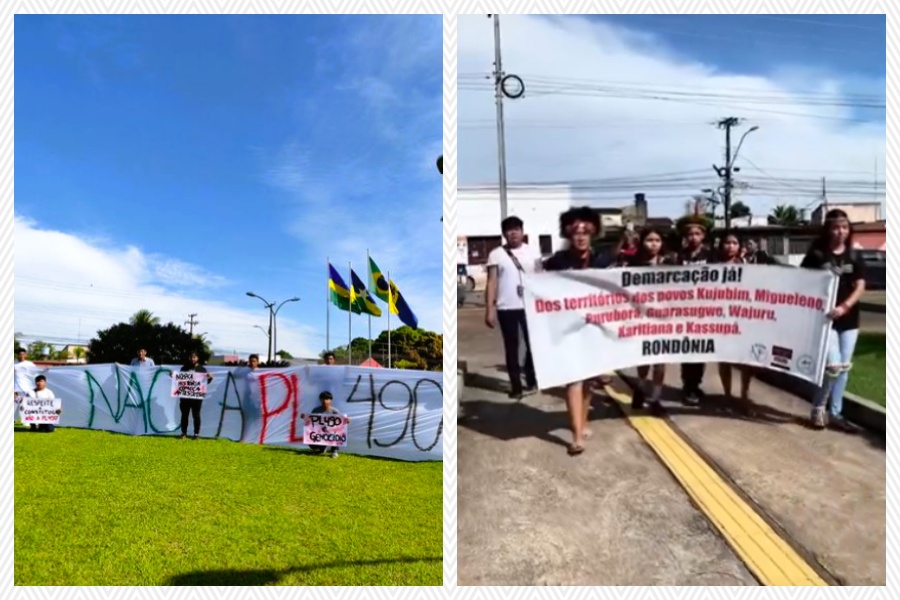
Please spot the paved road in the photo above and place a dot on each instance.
(531, 515)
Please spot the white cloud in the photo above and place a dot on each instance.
(586, 133)
(67, 286)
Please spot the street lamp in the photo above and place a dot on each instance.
(740, 143)
(275, 322)
(271, 320)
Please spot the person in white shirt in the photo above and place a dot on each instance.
(22, 379)
(504, 303)
(142, 362)
(42, 392)
(21, 360)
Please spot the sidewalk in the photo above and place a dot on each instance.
(529, 514)
(825, 489)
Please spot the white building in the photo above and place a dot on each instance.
(478, 221)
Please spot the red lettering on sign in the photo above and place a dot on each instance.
(268, 414)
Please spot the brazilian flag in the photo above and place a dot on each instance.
(378, 283)
(341, 296)
(365, 304)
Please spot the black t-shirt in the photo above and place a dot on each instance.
(636, 260)
(702, 257)
(565, 260)
(850, 268)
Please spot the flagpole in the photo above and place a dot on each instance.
(370, 314)
(390, 298)
(350, 319)
(328, 308)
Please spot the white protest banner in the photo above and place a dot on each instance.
(584, 323)
(40, 411)
(394, 413)
(322, 429)
(189, 385)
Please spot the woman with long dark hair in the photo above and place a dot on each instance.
(578, 226)
(650, 252)
(833, 250)
(729, 252)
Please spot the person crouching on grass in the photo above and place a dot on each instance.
(325, 408)
(649, 254)
(730, 253)
(833, 250)
(191, 406)
(578, 227)
(694, 252)
(42, 392)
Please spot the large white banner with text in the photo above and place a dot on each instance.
(393, 413)
(584, 323)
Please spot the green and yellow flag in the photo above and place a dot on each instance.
(365, 303)
(341, 295)
(378, 283)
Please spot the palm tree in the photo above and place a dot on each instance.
(785, 215)
(144, 317)
(79, 353)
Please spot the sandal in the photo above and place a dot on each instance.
(575, 449)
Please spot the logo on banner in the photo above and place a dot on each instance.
(782, 358)
(759, 352)
(806, 364)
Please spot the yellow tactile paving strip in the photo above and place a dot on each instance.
(769, 557)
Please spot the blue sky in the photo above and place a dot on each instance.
(214, 155)
(634, 96)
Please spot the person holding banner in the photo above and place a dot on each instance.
(694, 252)
(191, 406)
(730, 253)
(833, 250)
(649, 254)
(578, 226)
(504, 304)
(325, 408)
(42, 392)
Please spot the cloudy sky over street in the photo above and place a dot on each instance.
(618, 105)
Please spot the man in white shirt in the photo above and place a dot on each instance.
(504, 304)
(22, 380)
(21, 361)
(142, 362)
(42, 392)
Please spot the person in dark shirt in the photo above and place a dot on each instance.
(754, 256)
(730, 253)
(628, 247)
(191, 406)
(833, 250)
(649, 254)
(578, 226)
(694, 252)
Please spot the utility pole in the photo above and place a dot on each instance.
(824, 201)
(727, 124)
(728, 170)
(192, 322)
(501, 135)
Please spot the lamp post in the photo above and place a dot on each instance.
(271, 319)
(275, 322)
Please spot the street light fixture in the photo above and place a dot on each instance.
(275, 322)
(740, 143)
(271, 320)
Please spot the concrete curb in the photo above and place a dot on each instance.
(873, 308)
(862, 411)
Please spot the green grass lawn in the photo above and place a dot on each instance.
(95, 508)
(867, 378)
